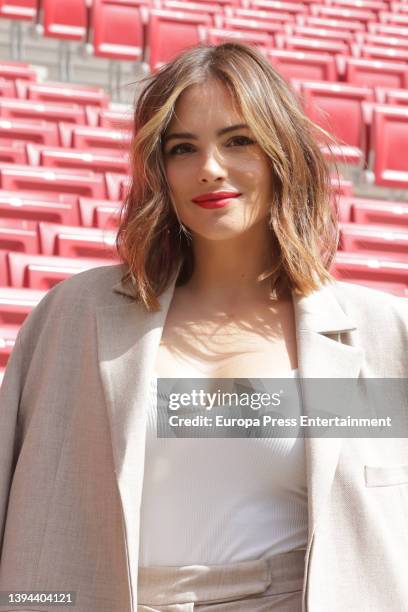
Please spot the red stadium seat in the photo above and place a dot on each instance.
(374, 73)
(111, 119)
(343, 154)
(92, 159)
(398, 7)
(65, 19)
(342, 187)
(4, 272)
(320, 33)
(129, 2)
(42, 132)
(272, 22)
(301, 65)
(117, 30)
(19, 235)
(368, 5)
(8, 334)
(249, 25)
(348, 266)
(216, 36)
(331, 24)
(18, 9)
(267, 17)
(399, 97)
(79, 182)
(16, 304)
(25, 109)
(344, 205)
(117, 185)
(85, 137)
(276, 5)
(327, 104)
(55, 208)
(379, 212)
(390, 126)
(43, 272)
(169, 32)
(62, 92)
(393, 18)
(382, 53)
(194, 7)
(107, 217)
(7, 88)
(365, 38)
(373, 239)
(342, 14)
(13, 153)
(17, 70)
(98, 213)
(317, 45)
(226, 4)
(384, 29)
(72, 241)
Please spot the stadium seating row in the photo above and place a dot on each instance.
(154, 32)
(373, 137)
(46, 238)
(41, 272)
(16, 177)
(43, 99)
(68, 209)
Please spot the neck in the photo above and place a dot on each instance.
(226, 271)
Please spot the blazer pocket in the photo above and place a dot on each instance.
(386, 475)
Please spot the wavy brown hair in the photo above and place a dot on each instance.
(303, 216)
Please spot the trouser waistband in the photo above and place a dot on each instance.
(205, 583)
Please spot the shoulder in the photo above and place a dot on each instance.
(75, 298)
(381, 325)
(90, 285)
(367, 304)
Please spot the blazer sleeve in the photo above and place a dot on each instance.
(10, 396)
(15, 405)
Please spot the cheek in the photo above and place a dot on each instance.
(266, 177)
(257, 177)
(176, 177)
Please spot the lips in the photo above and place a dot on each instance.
(217, 199)
(216, 195)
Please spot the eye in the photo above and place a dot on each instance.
(242, 141)
(178, 149)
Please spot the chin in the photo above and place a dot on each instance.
(219, 233)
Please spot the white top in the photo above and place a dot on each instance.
(221, 500)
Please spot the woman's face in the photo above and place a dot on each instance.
(206, 161)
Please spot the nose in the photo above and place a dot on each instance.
(211, 168)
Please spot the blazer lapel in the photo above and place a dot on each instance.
(319, 322)
(128, 340)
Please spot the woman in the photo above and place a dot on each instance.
(235, 288)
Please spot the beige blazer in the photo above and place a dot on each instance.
(72, 444)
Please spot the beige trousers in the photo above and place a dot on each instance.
(273, 583)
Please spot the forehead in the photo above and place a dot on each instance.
(205, 104)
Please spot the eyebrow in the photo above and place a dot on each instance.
(220, 132)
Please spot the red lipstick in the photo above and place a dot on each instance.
(215, 199)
